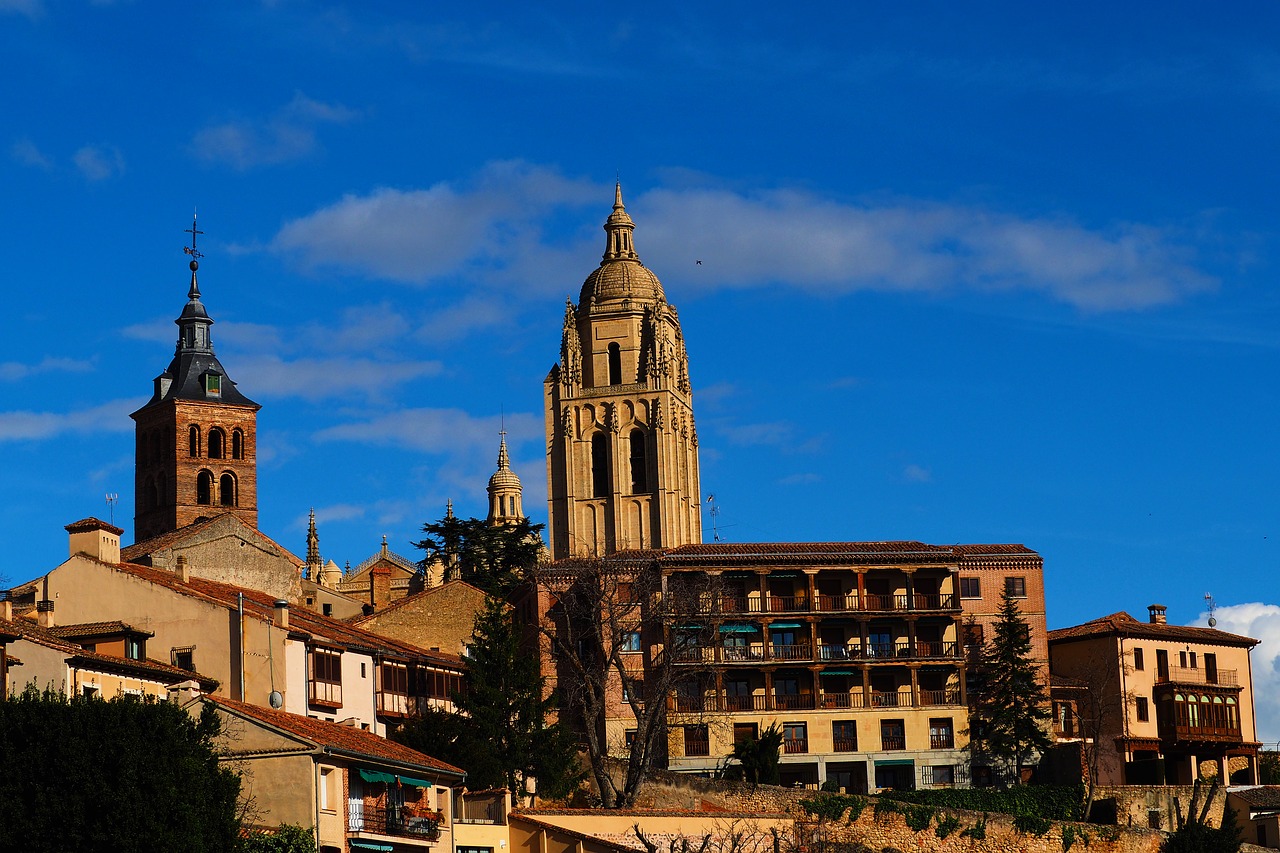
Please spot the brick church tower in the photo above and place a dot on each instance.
(622, 449)
(196, 436)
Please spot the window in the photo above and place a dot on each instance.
(326, 677)
(327, 608)
(599, 466)
(237, 444)
(1182, 659)
(227, 490)
(941, 733)
(639, 464)
(939, 775)
(893, 734)
(1193, 660)
(362, 670)
(183, 658)
(1016, 587)
(133, 648)
(844, 735)
(745, 731)
(795, 738)
(971, 587)
(193, 441)
(204, 488)
(696, 740)
(635, 693)
(217, 443)
(212, 385)
(630, 642)
(615, 364)
(1137, 660)
(974, 638)
(1142, 710)
(629, 737)
(91, 691)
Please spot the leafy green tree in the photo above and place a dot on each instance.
(494, 558)
(122, 774)
(1269, 767)
(289, 838)
(502, 735)
(1009, 714)
(755, 760)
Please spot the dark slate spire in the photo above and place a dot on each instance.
(195, 372)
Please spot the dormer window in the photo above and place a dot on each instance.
(213, 385)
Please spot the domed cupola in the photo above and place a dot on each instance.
(505, 491)
(620, 275)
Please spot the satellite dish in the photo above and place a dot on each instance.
(1213, 622)
(276, 699)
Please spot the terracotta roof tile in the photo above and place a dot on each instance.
(1125, 625)
(91, 523)
(1263, 796)
(96, 629)
(349, 739)
(409, 599)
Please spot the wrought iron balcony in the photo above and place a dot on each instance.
(397, 820)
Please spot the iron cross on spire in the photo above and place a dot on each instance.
(191, 250)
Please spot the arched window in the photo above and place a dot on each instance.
(217, 443)
(599, 466)
(157, 446)
(615, 364)
(237, 444)
(149, 494)
(204, 488)
(193, 441)
(227, 490)
(161, 491)
(639, 464)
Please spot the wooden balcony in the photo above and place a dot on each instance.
(848, 602)
(851, 700)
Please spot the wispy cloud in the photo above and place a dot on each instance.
(99, 162)
(38, 426)
(324, 378)
(30, 8)
(916, 474)
(27, 153)
(437, 431)
(290, 134)
(495, 231)
(1262, 622)
(12, 371)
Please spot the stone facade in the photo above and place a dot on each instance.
(442, 617)
(622, 448)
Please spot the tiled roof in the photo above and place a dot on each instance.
(97, 629)
(1263, 796)
(174, 537)
(349, 739)
(391, 557)
(87, 524)
(153, 669)
(1123, 624)
(262, 606)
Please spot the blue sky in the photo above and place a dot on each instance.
(969, 274)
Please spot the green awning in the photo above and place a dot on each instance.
(896, 762)
(787, 625)
(361, 844)
(390, 778)
(738, 629)
(689, 627)
(836, 672)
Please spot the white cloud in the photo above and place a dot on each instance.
(11, 371)
(494, 230)
(916, 474)
(288, 135)
(30, 8)
(38, 426)
(99, 162)
(1262, 622)
(324, 378)
(27, 153)
(439, 431)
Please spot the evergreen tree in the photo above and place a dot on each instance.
(121, 774)
(757, 758)
(494, 558)
(1009, 711)
(502, 735)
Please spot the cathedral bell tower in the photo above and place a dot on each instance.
(622, 450)
(196, 436)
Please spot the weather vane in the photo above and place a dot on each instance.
(191, 250)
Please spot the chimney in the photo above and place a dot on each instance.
(380, 586)
(184, 691)
(282, 613)
(95, 538)
(1157, 614)
(184, 569)
(44, 607)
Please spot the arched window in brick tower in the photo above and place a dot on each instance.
(639, 463)
(149, 494)
(217, 443)
(204, 488)
(193, 441)
(237, 444)
(227, 490)
(599, 465)
(615, 364)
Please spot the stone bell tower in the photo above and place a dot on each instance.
(197, 436)
(622, 449)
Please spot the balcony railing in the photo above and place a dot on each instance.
(798, 651)
(1186, 675)
(752, 702)
(362, 817)
(795, 745)
(845, 744)
(326, 693)
(759, 652)
(943, 741)
(946, 696)
(793, 702)
(697, 747)
(888, 741)
(843, 700)
(839, 603)
(834, 700)
(891, 698)
(393, 703)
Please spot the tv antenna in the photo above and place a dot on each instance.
(1208, 601)
(715, 518)
(112, 499)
